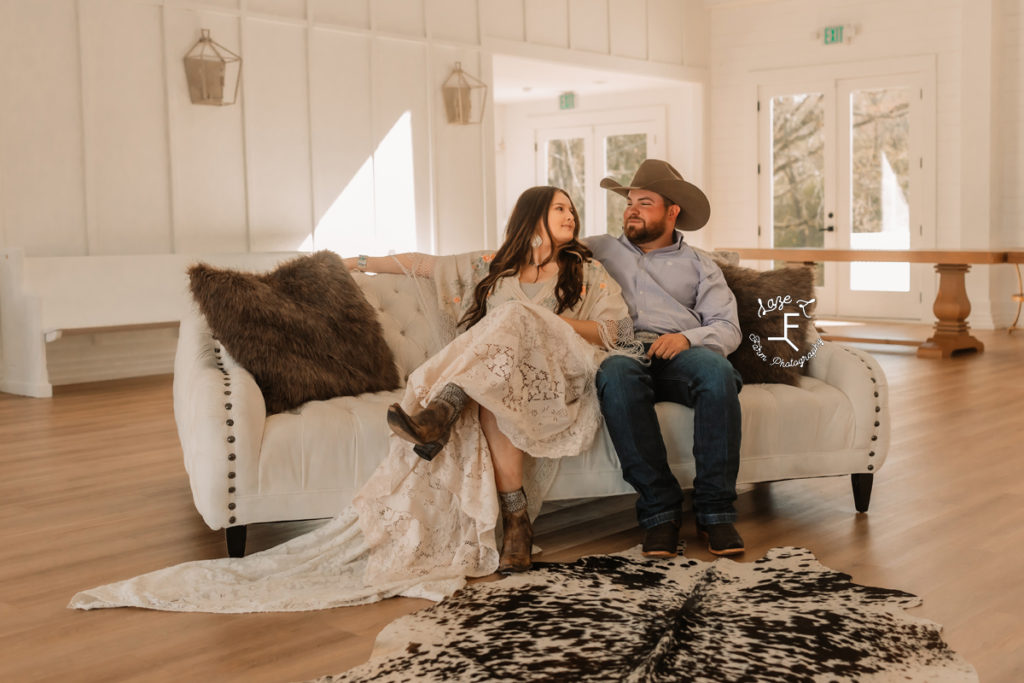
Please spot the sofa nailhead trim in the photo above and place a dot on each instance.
(878, 408)
(229, 422)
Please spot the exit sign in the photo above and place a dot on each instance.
(833, 34)
(567, 100)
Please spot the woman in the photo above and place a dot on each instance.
(540, 263)
(424, 521)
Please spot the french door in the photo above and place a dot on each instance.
(575, 158)
(846, 161)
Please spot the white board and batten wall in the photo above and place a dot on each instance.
(339, 139)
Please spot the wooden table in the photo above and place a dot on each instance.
(951, 305)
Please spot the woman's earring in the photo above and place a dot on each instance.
(536, 241)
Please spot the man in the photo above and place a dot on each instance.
(685, 314)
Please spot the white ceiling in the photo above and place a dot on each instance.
(517, 79)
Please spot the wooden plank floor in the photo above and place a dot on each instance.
(92, 489)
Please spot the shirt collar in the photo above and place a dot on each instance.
(678, 244)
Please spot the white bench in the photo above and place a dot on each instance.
(45, 297)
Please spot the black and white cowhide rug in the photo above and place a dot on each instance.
(621, 617)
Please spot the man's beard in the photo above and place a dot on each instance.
(645, 233)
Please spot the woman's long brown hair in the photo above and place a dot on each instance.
(514, 253)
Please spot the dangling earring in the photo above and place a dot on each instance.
(536, 241)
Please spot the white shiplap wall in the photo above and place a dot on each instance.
(339, 138)
(1008, 214)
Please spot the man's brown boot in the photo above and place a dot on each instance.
(517, 533)
(429, 428)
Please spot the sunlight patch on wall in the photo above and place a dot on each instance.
(375, 213)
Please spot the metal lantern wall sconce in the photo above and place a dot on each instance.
(464, 97)
(213, 72)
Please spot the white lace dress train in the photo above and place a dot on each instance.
(417, 528)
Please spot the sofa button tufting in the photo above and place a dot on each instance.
(871, 454)
(227, 393)
(230, 423)
(231, 456)
(874, 437)
(871, 467)
(231, 506)
(878, 409)
(877, 423)
(227, 406)
(231, 475)
(231, 520)
(231, 439)
(231, 489)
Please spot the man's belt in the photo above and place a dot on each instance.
(645, 337)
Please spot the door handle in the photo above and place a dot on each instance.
(830, 228)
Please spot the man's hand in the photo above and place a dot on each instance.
(668, 346)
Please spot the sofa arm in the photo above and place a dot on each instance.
(860, 377)
(220, 413)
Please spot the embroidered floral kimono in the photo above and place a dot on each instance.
(417, 527)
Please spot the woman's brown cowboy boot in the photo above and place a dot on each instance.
(517, 533)
(429, 428)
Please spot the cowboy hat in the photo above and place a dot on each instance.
(655, 175)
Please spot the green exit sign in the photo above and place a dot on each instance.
(567, 100)
(833, 35)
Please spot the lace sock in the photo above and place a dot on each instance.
(453, 395)
(512, 501)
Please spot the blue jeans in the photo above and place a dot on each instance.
(700, 379)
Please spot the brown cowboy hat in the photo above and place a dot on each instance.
(658, 176)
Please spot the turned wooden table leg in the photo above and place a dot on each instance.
(951, 308)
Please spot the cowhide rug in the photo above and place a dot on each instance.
(621, 617)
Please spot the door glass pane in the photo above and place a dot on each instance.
(622, 156)
(567, 170)
(880, 185)
(798, 171)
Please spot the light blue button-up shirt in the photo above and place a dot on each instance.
(673, 289)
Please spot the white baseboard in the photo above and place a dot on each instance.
(32, 389)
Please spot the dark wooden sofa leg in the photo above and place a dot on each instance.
(861, 490)
(235, 536)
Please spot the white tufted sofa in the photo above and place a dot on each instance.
(245, 467)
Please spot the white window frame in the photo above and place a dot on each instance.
(594, 127)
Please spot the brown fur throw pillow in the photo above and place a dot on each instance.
(304, 330)
(762, 300)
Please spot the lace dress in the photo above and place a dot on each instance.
(419, 528)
